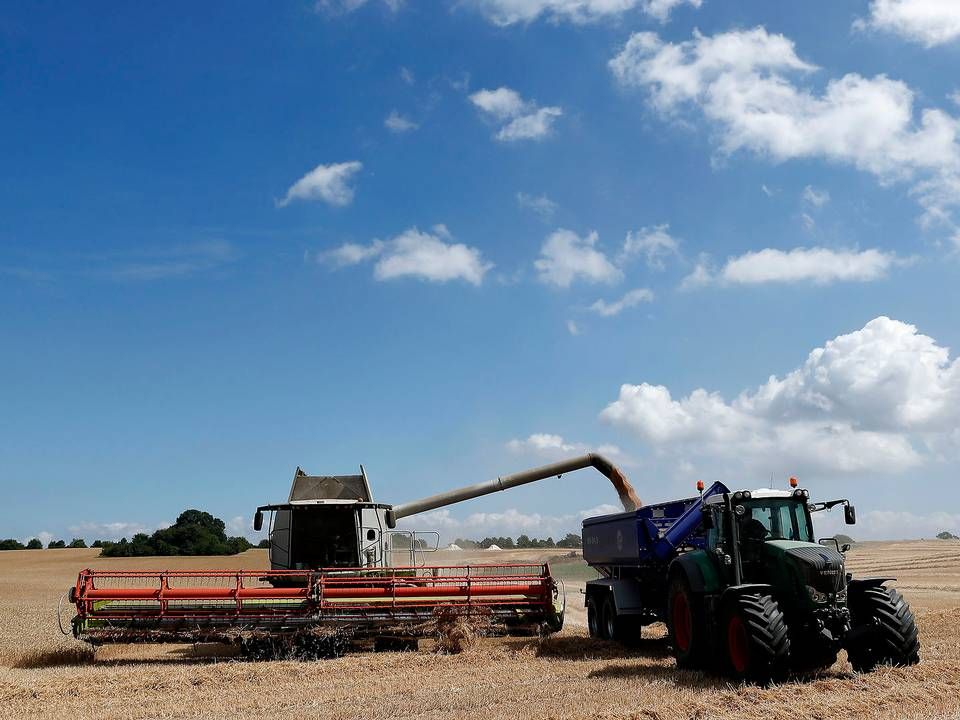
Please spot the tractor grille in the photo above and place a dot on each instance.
(821, 567)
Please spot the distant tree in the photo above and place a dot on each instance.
(265, 544)
(945, 535)
(97, 544)
(466, 543)
(572, 540)
(194, 533)
(523, 542)
(77, 543)
(35, 544)
(11, 544)
(56, 544)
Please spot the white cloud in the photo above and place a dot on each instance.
(406, 74)
(815, 197)
(349, 6)
(413, 253)
(566, 257)
(510, 522)
(397, 123)
(654, 243)
(541, 205)
(743, 81)
(573, 328)
(351, 253)
(329, 183)
(631, 299)
(520, 119)
(769, 192)
(551, 445)
(509, 12)
(818, 265)
(112, 530)
(928, 22)
(874, 400)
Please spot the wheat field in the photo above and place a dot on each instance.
(43, 674)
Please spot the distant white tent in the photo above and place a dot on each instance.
(453, 546)
(494, 547)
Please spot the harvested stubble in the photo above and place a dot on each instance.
(564, 676)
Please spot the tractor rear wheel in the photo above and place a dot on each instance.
(756, 638)
(685, 624)
(889, 630)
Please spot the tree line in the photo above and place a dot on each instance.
(571, 540)
(194, 533)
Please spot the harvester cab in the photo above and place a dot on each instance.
(331, 521)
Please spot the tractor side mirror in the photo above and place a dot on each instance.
(706, 516)
(258, 521)
(844, 547)
(850, 514)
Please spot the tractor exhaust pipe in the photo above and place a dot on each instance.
(625, 491)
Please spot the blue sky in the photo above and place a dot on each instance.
(451, 240)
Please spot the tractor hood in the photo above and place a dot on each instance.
(819, 567)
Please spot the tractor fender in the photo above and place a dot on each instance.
(856, 586)
(746, 589)
(626, 594)
(688, 567)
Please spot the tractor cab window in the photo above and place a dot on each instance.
(775, 519)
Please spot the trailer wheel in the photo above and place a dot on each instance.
(593, 619)
(756, 639)
(889, 630)
(610, 629)
(685, 624)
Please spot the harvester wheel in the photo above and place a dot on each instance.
(685, 623)
(890, 636)
(756, 638)
(593, 619)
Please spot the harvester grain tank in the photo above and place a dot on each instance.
(332, 573)
(742, 586)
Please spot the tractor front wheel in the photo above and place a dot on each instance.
(886, 628)
(756, 639)
(685, 623)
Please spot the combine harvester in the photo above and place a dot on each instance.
(742, 586)
(332, 582)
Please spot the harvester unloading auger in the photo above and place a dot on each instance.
(331, 576)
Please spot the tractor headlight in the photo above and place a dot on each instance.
(816, 595)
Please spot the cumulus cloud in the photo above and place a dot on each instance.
(820, 266)
(554, 446)
(749, 83)
(541, 205)
(519, 119)
(928, 22)
(414, 253)
(877, 399)
(629, 300)
(397, 123)
(566, 257)
(329, 183)
(509, 12)
(655, 244)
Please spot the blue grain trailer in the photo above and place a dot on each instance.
(742, 585)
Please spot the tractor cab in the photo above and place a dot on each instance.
(766, 536)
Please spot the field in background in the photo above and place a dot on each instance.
(43, 674)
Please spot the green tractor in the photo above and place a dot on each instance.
(766, 598)
(743, 586)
